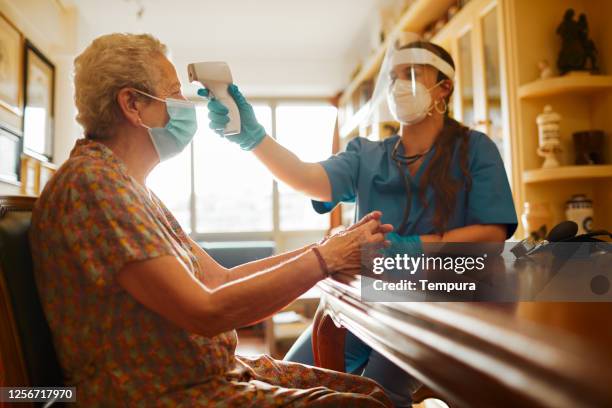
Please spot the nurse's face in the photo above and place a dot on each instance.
(426, 75)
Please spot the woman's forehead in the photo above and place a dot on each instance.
(168, 80)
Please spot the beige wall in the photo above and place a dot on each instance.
(54, 30)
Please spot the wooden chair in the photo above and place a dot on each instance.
(27, 356)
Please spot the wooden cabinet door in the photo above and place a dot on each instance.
(480, 100)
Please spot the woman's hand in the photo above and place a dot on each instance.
(348, 250)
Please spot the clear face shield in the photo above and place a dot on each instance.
(407, 75)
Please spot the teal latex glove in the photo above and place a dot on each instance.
(251, 132)
(410, 245)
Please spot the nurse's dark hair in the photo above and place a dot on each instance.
(438, 173)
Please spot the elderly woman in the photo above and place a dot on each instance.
(141, 315)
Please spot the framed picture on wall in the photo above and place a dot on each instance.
(11, 77)
(10, 66)
(35, 174)
(39, 111)
(10, 149)
(30, 175)
(45, 173)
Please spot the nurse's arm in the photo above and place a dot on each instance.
(308, 178)
(486, 233)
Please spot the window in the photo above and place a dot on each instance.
(307, 131)
(215, 188)
(233, 191)
(171, 182)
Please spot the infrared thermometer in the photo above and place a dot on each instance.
(216, 76)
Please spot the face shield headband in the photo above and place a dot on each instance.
(421, 56)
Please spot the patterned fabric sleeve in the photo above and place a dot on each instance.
(108, 223)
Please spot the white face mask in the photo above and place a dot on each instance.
(409, 102)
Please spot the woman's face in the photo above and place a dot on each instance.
(425, 74)
(154, 112)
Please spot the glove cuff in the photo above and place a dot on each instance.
(410, 245)
(254, 139)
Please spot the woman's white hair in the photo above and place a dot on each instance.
(112, 62)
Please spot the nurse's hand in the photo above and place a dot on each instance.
(409, 244)
(251, 132)
(347, 251)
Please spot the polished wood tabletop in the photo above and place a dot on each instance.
(472, 354)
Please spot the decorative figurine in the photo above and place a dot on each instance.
(549, 137)
(580, 210)
(545, 69)
(578, 52)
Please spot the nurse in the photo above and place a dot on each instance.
(436, 181)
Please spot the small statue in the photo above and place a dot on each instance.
(576, 48)
(549, 137)
(545, 69)
(587, 43)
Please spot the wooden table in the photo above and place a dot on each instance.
(524, 354)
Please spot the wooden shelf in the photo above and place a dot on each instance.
(415, 18)
(569, 84)
(568, 173)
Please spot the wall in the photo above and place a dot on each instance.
(55, 30)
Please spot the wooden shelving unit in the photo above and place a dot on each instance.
(583, 101)
(567, 173)
(415, 18)
(569, 84)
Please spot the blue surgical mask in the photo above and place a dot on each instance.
(172, 139)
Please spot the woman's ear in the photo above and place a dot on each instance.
(446, 88)
(129, 106)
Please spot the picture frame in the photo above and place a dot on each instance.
(45, 172)
(10, 150)
(39, 110)
(11, 51)
(11, 77)
(35, 174)
(29, 175)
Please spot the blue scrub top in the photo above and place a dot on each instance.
(366, 174)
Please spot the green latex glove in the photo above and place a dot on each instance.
(251, 132)
(410, 245)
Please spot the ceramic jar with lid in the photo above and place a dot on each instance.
(580, 210)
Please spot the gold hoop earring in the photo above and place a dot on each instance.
(442, 110)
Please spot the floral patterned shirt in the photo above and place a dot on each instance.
(91, 220)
